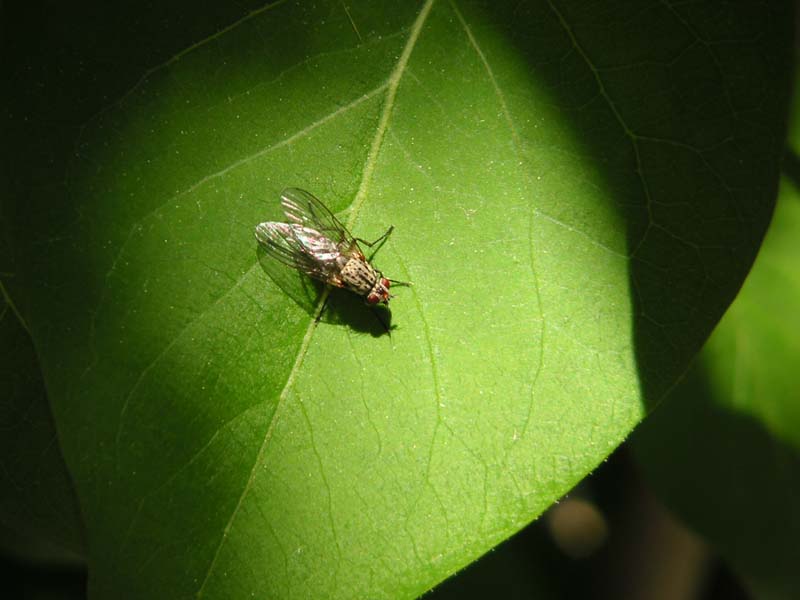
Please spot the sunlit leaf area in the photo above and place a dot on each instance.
(568, 370)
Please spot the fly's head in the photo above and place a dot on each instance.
(379, 292)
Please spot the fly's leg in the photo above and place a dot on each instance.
(379, 242)
(382, 238)
(401, 283)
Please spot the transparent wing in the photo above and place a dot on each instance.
(301, 248)
(302, 208)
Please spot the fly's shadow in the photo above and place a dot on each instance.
(342, 307)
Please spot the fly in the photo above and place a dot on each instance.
(316, 243)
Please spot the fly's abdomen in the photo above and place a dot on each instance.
(359, 276)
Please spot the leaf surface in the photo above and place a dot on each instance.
(37, 499)
(733, 425)
(576, 193)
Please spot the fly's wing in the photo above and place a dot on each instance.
(304, 209)
(301, 248)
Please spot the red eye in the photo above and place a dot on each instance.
(385, 283)
(373, 299)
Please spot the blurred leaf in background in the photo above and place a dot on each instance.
(41, 532)
(724, 449)
(577, 192)
(36, 495)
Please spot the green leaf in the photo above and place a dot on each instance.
(576, 193)
(732, 426)
(37, 500)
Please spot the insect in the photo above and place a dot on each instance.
(316, 243)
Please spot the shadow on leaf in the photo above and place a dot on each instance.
(727, 476)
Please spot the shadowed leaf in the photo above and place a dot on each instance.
(577, 193)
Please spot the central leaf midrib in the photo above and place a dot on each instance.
(355, 207)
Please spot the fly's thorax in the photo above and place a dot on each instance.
(359, 276)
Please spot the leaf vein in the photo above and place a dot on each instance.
(176, 57)
(369, 167)
(242, 161)
(13, 307)
(383, 124)
(164, 351)
(617, 115)
(136, 225)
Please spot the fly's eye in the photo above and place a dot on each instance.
(385, 283)
(373, 299)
